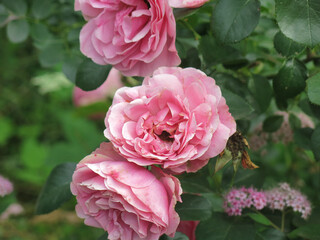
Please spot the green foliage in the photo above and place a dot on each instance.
(272, 123)
(313, 86)
(177, 236)
(285, 46)
(57, 189)
(18, 30)
(303, 29)
(193, 207)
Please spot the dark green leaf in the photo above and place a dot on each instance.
(177, 236)
(214, 53)
(259, 218)
(41, 8)
(6, 130)
(299, 20)
(183, 12)
(294, 121)
(315, 143)
(91, 75)
(234, 20)
(272, 123)
(221, 227)
(291, 80)
(238, 107)
(302, 137)
(309, 231)
(313, 89)
(52, 54)
(261, 91)
(271, 234)
(285, 46)
(194, 207)
(18, 30)
(103, 236)
(18, 7)
(57, 188)
(40, 35)
(70, 67)
(216, 201)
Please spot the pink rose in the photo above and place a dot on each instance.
(107, 89)
(187, 3)
(177, 119)
(6, 186)
(136, 37)
(126, 200)
(188, 228)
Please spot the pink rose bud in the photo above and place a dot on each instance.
(6, 186)
(136, 37)
(188, 228)
(187, 3)
(177, 119)
(124, 199)
(107, 89)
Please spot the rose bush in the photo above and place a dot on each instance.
(107, 89)
(136, 37)
(177, 119)
(187, 3)
(126, 200)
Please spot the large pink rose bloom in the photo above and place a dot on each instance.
(107, 89)
(126, 200)
(186, 3)
(177, 119)
(135, 36)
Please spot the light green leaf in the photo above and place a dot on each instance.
(315, 143)
(260, 218)
(6, 130)
(309, 231)
(41, 8)
(33, 154)
(313, 89)
(18, 30)
(234, 20)
(4, 14)
(52, 54)
(56, 191)
(299, 20)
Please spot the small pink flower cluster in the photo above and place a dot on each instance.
(6, 186)
(284, 196)
(238, 199)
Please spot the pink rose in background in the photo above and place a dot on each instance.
(177, 119)
(136, 37)
(126, 200)
(187, 3)
(6, 186)
(188, 228)
(107, 89)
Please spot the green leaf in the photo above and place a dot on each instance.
(309, 231)
(194, 207)
(177, 236)
(285, 46)
(41, 8)
(6, 130)
(18, 30)
(272, 123)
(18, 7)
(261, 91)
(91, 75)
(4, 14)
(233, 20)
(221, 227)
(223, 160)
(56, 190)
(259, 218)
(70, 67)
(315, 143)
(33, 154)
(302, 137)
(313, 89)
(271, 233)
(40, 35)
(218, 53)
(103, 236)
(183, 12)
(291, 80)
(52, 54)
(299, 20)
(238, 107)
